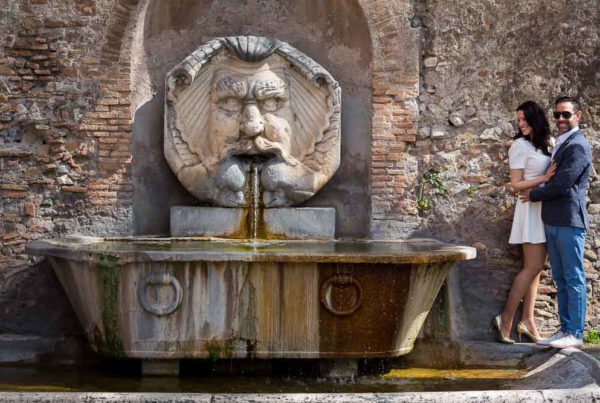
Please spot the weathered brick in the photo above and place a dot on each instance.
(10, 186)
(74, 189)
(10, 235)
(98, 187)
(30, 209)
(13, 194)
(108, 101)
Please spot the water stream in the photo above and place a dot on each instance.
(255, 202)
(255, 215)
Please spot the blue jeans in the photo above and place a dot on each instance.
(565, 249)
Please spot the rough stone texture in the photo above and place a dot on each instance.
(533, 396)
(491, 56)
(74, 73)
(65, 126)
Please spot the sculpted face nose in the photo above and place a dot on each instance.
(252, 122)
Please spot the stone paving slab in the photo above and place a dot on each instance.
(568, 368)
(529, 396)
(593, 350)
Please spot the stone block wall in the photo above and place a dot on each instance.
(446, 76)
(479, 61)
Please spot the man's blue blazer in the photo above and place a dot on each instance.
(563, 196)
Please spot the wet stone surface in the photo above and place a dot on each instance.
(159, 249)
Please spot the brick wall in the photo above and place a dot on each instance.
(65, 126)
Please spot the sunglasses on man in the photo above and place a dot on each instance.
(565, 114)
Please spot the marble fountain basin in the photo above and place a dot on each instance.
(180, 298)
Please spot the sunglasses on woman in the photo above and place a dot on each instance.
(565, 114)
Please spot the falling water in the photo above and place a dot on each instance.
(255, 210)
(255, 213)
(255, 203)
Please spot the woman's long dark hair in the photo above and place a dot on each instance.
(540, 128)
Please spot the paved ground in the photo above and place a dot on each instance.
(593, 350)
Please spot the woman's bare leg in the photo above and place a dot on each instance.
(537, 254)
(523, 284)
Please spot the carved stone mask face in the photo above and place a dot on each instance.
(224, 115)
(251, 114)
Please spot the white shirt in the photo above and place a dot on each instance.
(562, 138)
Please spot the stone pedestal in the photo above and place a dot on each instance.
(276, 223)
(206, 221)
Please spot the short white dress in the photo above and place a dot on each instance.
(527, 224)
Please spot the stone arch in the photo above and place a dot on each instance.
(122, 14)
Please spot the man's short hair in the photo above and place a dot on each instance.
(565, 99)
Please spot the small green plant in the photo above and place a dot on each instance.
(471, 190)
(424, 204)
(431, 183)
(591, 337)
(435, 180)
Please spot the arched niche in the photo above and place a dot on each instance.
(334, 33)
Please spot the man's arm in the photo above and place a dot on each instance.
(572, 164)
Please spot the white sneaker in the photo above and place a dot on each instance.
(568, 341)
(554, 337)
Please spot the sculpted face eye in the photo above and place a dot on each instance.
(270, 104)
(230, 104)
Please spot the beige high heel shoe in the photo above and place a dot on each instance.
(497, 324)
(522, 329)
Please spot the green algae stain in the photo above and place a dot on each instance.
(213, 350)
(228, 347)
(109, 275)
(220, 349)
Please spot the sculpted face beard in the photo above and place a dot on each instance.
(251, 117)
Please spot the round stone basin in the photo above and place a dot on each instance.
(175, 298)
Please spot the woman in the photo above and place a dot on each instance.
(529, 160)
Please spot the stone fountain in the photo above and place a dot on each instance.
(252, 127)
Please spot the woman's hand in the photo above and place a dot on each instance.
(550, 172)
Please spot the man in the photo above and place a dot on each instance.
(566, 221)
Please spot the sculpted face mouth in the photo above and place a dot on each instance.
(249, 157)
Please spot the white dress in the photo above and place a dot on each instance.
(527, 224)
